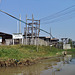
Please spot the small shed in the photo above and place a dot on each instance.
(17, 38)
(54, 41)
(4, 36)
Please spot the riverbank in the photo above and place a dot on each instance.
(27, 54)
(71, 51)
(43, 67)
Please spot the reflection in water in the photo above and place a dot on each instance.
(35, 69)
(45, 67)
(67, 59)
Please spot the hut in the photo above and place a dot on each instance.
(5, 38)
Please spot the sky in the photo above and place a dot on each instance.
(40, 9)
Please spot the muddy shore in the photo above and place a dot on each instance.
(24, 62)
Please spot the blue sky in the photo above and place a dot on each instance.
(40, 9)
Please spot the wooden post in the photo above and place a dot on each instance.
(20, 25)
(50, 38)
(26, 29)
(32, 28)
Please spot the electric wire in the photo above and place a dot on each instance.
(60, 13)
(60, 19)
(64, 14)
(56, 15)
(23, 22)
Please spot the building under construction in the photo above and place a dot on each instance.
(31, 31)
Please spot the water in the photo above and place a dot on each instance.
(44, 67)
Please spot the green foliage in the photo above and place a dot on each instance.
(27, 51)
(71, 51)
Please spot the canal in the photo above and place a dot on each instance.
(53, 66)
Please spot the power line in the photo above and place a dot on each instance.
(58, 14)
(59, 19)
(13, 16)
(23, 21)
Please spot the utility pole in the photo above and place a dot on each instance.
(38, 36)
(17, 26)
(20, 24)
(26, 29)
(50, 38)
(32, 28)
(32, 31)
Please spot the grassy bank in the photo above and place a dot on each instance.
(27, 52)
(71, 51)
(21, 55)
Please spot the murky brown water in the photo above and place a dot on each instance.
(44, 67)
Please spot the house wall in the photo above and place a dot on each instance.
(36, 41)
(66, 46)
(8, 41)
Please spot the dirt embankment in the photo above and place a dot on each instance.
(14, 63)
(24, 62)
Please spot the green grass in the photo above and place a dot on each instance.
(71, 51)
(27, 52)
